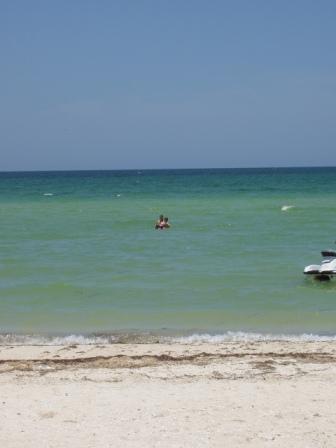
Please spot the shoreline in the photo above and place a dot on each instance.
(165, 337)
(171, 395)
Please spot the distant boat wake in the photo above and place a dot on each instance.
(284, 208)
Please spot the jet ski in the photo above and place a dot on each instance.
(324, 271)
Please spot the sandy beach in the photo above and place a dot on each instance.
(153, 395)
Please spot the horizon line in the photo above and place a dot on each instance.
(165, 169)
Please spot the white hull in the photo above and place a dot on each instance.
(324, 271)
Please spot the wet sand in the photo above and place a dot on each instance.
(278, 394)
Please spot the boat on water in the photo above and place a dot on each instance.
(324, 271)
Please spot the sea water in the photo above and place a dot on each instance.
(79, 254)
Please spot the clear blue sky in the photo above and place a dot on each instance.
(167, 84)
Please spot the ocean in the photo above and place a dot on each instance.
(80, 259)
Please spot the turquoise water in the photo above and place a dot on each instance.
(79, 254)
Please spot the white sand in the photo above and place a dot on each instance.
(274, 394)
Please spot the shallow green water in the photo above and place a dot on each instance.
(79, 254)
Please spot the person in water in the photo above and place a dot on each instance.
(166, 224)
(159, 223)
(162, 223)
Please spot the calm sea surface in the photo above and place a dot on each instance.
(79, 253)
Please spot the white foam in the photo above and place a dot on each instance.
(16, 339)
(240, 336)
(284, 208)
(48, 194)
(196, 338)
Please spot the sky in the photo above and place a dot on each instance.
(129, 84)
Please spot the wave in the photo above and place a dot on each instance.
(150, 338)
(240, 336)
(73, 339)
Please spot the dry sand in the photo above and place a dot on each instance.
(263, 394)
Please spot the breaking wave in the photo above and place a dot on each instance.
(18, 339)
(157, 338)
(240, 336)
